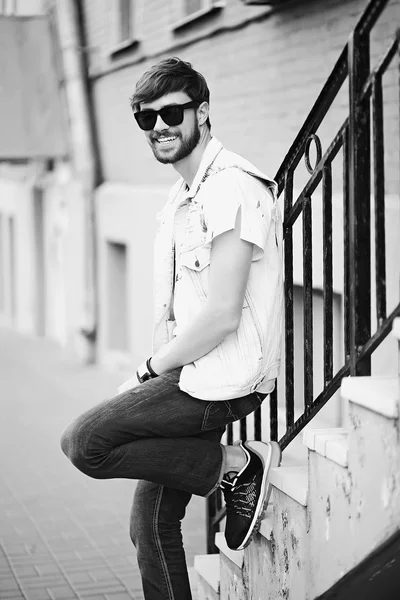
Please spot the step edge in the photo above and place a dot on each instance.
(310, 435)
(267, 524)
(363, 391)
(337, 450)
(202, 564)
(292, 481)
(235, 556)
(396, 328)
(332, 444)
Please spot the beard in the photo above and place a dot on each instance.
(186, 147)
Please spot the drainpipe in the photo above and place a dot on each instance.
(84, 154)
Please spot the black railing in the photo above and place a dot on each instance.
(353, 139)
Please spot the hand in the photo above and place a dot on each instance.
(129, 384)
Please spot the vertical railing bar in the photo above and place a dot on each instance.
(273, 398)
(258, 424)
(346, 279)
(359, 203)
(211, 529)
(289, 321)
(229, 434)
(307, 302)
(243, 429)
(379, 197)
(327, 272)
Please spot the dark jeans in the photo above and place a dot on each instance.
(171, 442)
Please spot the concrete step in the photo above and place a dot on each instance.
(235, 556)
(374, 459)
(234, 584)
(292, 481)
(333, 443)
(396, 328)
(354, 480)
(326, 516)
(207, 567)
(378, 394)
(280, 541)
(272, 564)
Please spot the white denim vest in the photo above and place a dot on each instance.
(248, 359)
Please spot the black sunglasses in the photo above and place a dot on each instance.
(171, 115)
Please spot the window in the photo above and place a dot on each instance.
(117, 297)
(190, 10)
(22, 7)
(8, 7)
(126, 26)
(125, 17)
(192, 6)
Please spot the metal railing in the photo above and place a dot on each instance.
(354, 140)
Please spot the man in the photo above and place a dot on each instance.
(216, 346)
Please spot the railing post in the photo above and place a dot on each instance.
(359, 260)
(211, 529)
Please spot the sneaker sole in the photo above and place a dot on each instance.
(273, 460)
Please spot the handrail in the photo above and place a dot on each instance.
(354, 139)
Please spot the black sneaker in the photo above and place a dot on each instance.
(247, 494)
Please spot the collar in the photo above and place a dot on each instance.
(210, 153)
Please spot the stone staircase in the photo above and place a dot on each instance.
(325, 517)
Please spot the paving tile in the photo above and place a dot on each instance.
(123, 596)
(9, 584)
(47, 568)
(38, 582)
(61, 531)
(102, 589)
(10, 595)
(36, 594)
(61, 593)
(77, 578)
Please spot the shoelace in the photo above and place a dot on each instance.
(241, 498)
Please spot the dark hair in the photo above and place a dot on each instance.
(167, 76)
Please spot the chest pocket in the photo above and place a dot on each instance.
(194, 262)
(196, 259)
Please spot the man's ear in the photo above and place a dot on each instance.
(202, 113)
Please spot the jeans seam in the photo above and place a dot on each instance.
(163, 562)
(230, 413)
(206, 415)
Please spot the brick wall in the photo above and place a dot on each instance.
(264, 76)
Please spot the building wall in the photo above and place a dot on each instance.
(126, 229)
(265, 67)
(41, 252)
(264, 76)
(17, 267)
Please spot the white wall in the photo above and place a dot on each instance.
(127, 215)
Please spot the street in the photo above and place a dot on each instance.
(63, 536)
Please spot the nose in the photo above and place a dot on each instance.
(160, 125)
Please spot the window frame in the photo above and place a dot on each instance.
(208, 7)
(133, 39)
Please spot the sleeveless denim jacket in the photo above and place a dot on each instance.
(248, 359)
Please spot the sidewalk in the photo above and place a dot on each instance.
(63, 536)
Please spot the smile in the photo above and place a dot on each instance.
(166, 140)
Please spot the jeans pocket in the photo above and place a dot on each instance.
(221, 413)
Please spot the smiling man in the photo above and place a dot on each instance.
(216, 341)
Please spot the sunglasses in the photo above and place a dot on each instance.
(171, 115)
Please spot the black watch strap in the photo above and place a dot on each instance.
(150, 370)
(145, 372)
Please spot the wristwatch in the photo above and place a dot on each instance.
(145, 372)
